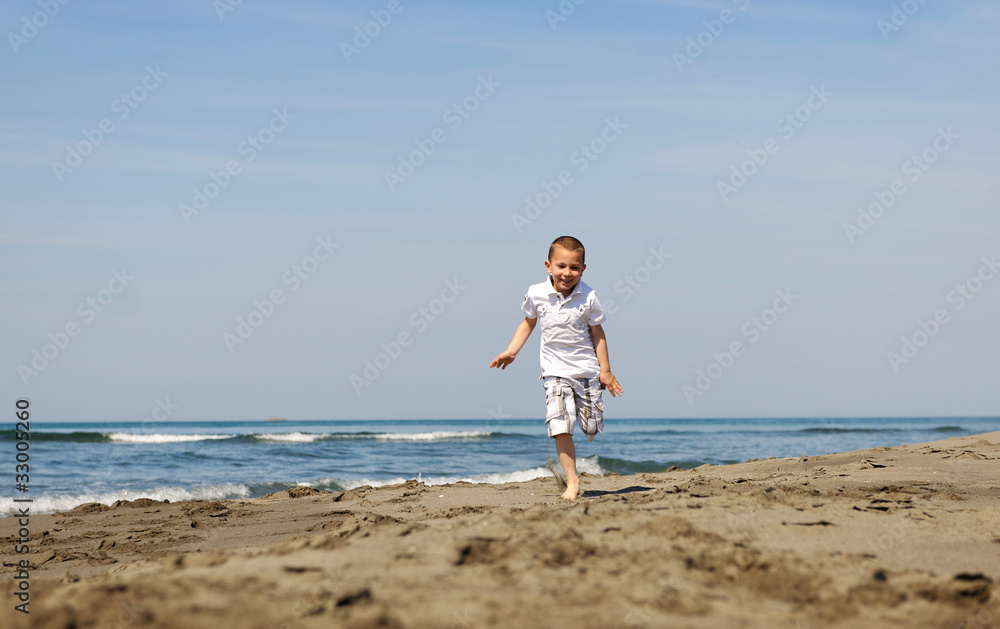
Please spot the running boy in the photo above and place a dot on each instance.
(574, 352)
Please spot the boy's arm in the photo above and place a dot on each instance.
(608, 380)
(521, 335)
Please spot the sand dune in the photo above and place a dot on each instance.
(900, 537)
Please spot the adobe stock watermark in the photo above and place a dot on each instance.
(788, 125)
(892, 534)
(87, 312)
(465, 620)
(697, 45)
(753, 330)
(419, 320)
(986, 615)
(131, 613)
(162, 410)
(496, 418)
(264, 309)
(900, 15)
(363, 35)
(647, 612)
(582, 158)
(122, 106)
(633, 282)
(332, 587)
(912, 169)
(565, 9)
(33, 25)
(225, 7)
(958, 298)
(254, 144)
(822, 438)
(454, 116)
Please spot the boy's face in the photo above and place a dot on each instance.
(566, 267)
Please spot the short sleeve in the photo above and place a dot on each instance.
(528, 307)
(596, 311)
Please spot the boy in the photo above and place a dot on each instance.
(574, 352)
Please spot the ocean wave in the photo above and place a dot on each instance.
(323, 484)
(283, 437)
(837, 431)
(51, 504)
(589, 465)
(42, 435)
(834, 431)
(133, 437)
(703, 431)
(441, 435)
(290, 437)
(497, 478)
(309, 437)
(595, 465)
(113, 437)
(625, 467)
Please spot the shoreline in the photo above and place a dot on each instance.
(905, 536)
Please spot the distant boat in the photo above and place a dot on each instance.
(276, 419)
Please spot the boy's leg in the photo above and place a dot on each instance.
(560, 415)
(567, 457)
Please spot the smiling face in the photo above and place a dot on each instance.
(566, 267)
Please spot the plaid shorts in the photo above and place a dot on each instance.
(572, 400)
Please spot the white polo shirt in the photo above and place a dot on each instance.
(567, 348)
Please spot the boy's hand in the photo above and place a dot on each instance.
(609, 382)
(504, 359)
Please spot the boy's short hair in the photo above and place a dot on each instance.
(569, 244)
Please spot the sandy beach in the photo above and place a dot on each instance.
(901, 537)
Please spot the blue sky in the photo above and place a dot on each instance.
(437, 261)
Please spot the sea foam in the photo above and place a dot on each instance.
(51, 504)
(132, 437)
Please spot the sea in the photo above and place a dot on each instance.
(74, 463)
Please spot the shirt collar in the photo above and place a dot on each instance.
(576, 289)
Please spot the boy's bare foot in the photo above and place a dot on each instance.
(572, 490)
